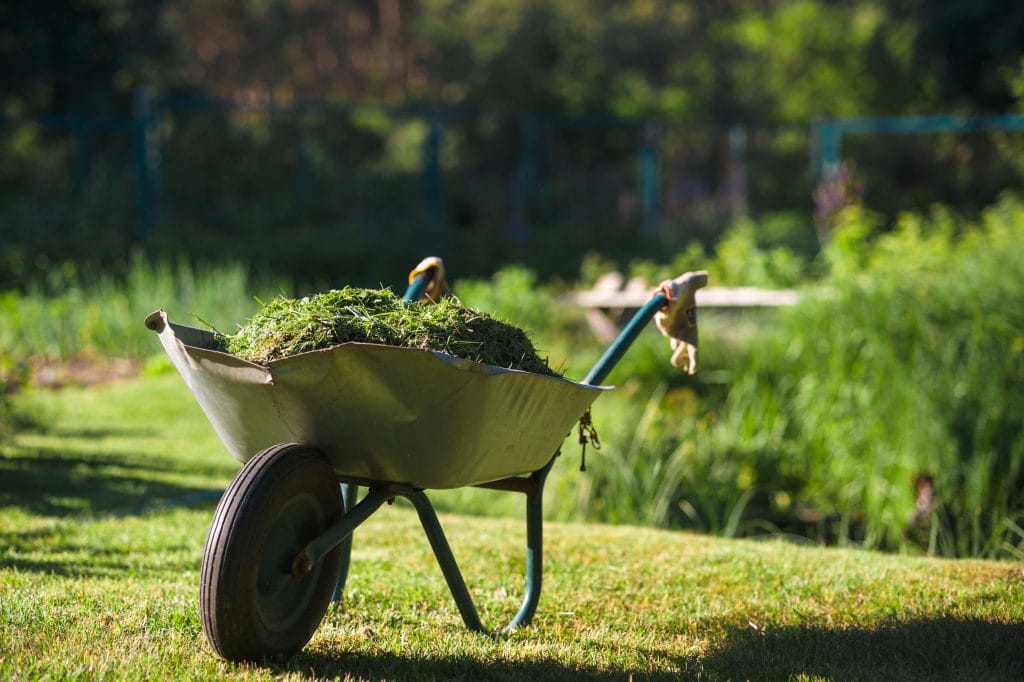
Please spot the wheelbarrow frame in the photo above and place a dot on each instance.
(531, 486)
(332, 543)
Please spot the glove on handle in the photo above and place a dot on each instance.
(678, 319)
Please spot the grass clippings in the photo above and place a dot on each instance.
(286, 327)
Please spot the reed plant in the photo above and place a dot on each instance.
(922, 375)
(904, 365)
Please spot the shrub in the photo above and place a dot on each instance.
(904, 364)
(908, 361)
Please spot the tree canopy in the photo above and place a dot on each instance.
(695, 61)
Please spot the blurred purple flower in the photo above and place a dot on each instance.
(838, 189)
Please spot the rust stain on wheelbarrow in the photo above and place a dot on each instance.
(400, 415)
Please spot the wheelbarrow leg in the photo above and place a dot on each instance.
(349, 494)
(452, 575)
(534, 552)
(445, 558)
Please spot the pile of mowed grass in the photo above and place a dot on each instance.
(286, 327)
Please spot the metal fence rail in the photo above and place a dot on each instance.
(387, 175)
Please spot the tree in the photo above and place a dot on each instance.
(973, 47)
(80, 57)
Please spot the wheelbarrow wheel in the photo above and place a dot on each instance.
(252, 606)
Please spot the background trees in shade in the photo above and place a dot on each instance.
(538, 115)
(692, 61)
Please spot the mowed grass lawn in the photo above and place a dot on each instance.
(99, 579)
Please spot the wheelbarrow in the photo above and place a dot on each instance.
(396, 421)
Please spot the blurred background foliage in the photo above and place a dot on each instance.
(193, 155)
(335, 141)
(904, 359)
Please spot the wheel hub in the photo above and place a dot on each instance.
(284, 587)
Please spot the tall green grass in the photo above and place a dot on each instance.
(74, 314)
(910, 360)
(907, 360)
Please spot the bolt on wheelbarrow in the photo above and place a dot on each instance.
(396, 421)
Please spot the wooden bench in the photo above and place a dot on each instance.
(609, 301)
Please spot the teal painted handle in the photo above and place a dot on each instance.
(625, 339)
(417, 286)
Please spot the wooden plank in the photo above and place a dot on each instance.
(710, 297)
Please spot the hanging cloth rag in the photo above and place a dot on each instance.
(678, 318)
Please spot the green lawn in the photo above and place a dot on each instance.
(99, 579)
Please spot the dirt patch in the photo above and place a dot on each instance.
(53, 374)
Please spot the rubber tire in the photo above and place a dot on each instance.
(281, 499)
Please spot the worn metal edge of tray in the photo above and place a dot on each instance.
(382, 413)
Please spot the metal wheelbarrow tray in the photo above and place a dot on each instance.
(380, 413)
(395, 420)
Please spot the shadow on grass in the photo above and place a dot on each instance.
(28, 423)
(936, 649)
(105, 432)
(87, 484)
(389, 665)
(78, 560)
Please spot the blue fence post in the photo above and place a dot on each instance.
(829, 143)
(649, 179)
(433, 186)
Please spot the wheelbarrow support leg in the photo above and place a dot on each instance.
(349, 494)
(450, 569)
(446, 560)
(534, 552)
